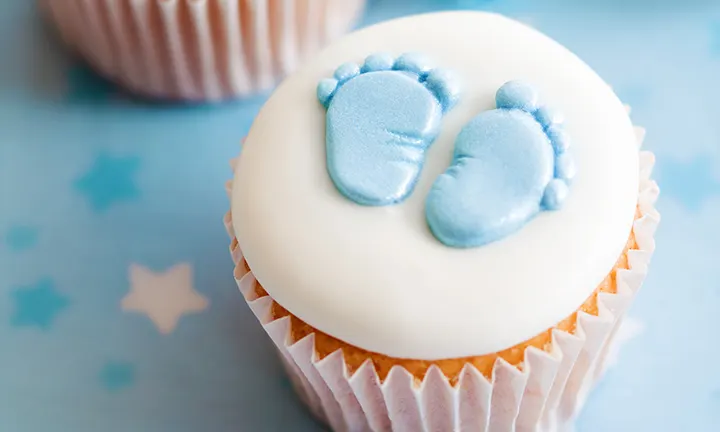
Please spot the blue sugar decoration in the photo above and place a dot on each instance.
(380, 122)
(503, 172)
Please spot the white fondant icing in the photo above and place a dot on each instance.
(375, 277)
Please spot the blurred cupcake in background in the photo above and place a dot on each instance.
(199, 50)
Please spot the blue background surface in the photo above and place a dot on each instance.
(92, 183)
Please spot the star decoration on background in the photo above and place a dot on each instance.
(20, 238)
(692, 183)
(116, 376)
(163, 297)
(37, 305)
(84, 85)
(110, 180)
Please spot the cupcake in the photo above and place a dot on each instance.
(198, 50)
(443, 230)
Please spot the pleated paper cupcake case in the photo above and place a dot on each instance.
(202, 50)
(546, 395)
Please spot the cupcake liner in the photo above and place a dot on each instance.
(546, 395)
(203, 50)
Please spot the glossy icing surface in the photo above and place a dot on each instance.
(376, 277)
(505, 169)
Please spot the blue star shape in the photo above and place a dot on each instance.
(21, 237)
(37, 305)
(84, 85)
(690, 182)
(116, 376)
(110, 180)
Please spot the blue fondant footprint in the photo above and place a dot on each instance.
(509, 163)
(381, 118)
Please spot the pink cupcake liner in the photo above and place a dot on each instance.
(546, 395)
(199, 50)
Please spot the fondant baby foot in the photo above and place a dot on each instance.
(509, 163)
(381, 118)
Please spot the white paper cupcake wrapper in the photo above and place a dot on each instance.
(546, 395)
(199, 49)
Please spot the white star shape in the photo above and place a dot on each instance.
(164, 297)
